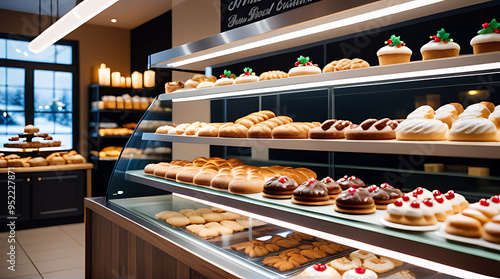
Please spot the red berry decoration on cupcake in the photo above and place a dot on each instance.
(226, 74)
(415, 205)
(406, 198)
(428, 202)
(450, 195)
(492, 27)
(328, 179)
(372, 188)
(398, 203)
(319, 267)
(395, 42)
(304, 61)
(384, 185)
(439, 199)
(495, 199)
(436, 193)
(248, 71)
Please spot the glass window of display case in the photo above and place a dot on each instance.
(144, 187)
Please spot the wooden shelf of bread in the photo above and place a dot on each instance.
(54, 161)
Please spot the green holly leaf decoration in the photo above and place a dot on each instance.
(442, 36)
(247, 71)
(394, 41)
(303, 60)
(492, 27)
(226, 73)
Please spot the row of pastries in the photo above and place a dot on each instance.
(56, 158)
(440, 46)
(478, 122)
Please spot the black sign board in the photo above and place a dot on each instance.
(236, 13)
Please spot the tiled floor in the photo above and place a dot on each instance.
(50, 252)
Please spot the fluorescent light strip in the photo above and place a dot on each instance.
(357, 80)
(450, 270)
(312, 30)
(77, 16)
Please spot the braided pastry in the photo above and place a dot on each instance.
(255, 117)
(272, 75)
(296, 130)
(264, 129)
(372, 129)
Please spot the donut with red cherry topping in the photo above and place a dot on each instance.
(355, 201)
(350, 181)
(384, 195)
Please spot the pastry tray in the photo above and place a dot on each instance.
(474, 241)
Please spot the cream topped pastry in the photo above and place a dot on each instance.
(304, 66)
(495, 202)
(475, 111)
(495, 117)
(359, 273)
(422, 112)
(473, 129)
(394, 52)
(458, 202)
(485, 206)
(445, 207)
(319, 271)
(441, 46)
(422, 129)
(227, 78)
(421, 194)
(488, 38)
(411, 213)
(247, 76)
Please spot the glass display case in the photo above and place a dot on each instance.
(389, 91)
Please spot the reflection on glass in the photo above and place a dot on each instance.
(2, 48)
(18, 50)
(15, 123)
(64, 54)
(54, 123)
(53, 91)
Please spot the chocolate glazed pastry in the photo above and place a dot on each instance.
(384, 195)
(355, 201)
(333, 187)
(311, 192)
(330, 129)
(373, 129)
(346, 182)
(279, 187)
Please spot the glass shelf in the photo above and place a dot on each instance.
(367, 228)
(485, 150)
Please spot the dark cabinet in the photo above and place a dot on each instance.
(57, 194)
(17, 190)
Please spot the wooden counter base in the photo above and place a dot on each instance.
(117, 247)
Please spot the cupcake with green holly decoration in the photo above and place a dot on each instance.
(394, 52)
(488, 38)
(304, 66)
(247, 76)
(227, 78)
(440, 46)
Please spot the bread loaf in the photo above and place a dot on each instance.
(254, 118)
(264, 129)
(296, 130)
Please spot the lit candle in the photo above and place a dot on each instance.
(115, 79)
(149, 78)
(136, 80)
(128, 82)
(104, 75)
(122, 82)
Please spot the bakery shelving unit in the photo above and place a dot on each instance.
(104, 166)
(133, 197)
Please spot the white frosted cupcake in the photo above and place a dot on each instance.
(441, 46)
(227, 78)
(247, 76)
(359, 273)
(304, 66)
(394, 52)
(488, 38)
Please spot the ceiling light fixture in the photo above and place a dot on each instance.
(313, 30)
(77, 16)
(113, 20)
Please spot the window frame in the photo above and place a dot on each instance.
(29, 89)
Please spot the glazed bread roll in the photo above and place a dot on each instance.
(296, 130)
(254, 118)
(264, 129)
(231, 130)
(38, 162)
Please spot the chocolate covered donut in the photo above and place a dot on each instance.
(333, 187)
(384, 195)
(311, 192)
(279, 187)
(346, 182)
(355, 201)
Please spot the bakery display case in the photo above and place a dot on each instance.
(145, 211)
(114, 113)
